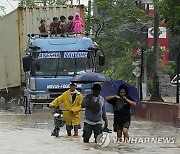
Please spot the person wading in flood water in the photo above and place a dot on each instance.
(71, 104)
(95, 113)
(122, 116)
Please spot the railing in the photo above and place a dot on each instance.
(58, 35)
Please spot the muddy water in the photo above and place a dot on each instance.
(29, 134)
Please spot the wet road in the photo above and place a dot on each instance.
(29, 134)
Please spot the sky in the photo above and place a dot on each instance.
(10, 5)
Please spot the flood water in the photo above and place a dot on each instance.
(30, 134)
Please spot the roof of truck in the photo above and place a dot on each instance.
(62, 43)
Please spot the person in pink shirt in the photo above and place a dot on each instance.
(77, 23)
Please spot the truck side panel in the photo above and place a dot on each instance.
(9, 51)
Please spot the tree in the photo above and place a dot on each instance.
(123, 23)
(26, 3)
(170, 12)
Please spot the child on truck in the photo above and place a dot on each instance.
(70, 25)
(43, 28)
(54, 26)
(62, 25)
(77, 23)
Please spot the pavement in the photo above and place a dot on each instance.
(166, 99)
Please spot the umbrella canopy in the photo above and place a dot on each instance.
(90, 77)
(111, 88)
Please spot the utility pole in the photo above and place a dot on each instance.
(145, 57)
(155, 93)
(144, 43)
(178, 79)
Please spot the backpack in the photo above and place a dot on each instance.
(119, 103)
(95, 106)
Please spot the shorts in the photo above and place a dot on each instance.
(70, 127)
(121, 123)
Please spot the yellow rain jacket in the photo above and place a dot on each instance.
(74, 117)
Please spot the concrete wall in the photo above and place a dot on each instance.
(159, 112)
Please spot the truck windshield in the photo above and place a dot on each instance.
(65, 63)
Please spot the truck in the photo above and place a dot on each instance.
(40, 68)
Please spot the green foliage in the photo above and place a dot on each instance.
(61, 2)
(170, 11)
(118, 38)
(26, 3)
(122, 33)
(168, 69)
(173, 44)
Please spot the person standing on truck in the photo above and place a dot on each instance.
(71, 101)
(54, 26)
(77, 23)
(95, 113)
(43, 28)
(69, 25)
(62, 25)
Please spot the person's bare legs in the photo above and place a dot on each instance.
(75, 132)
(119, 135)
(125, 133)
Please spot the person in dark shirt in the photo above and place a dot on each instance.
(54, 26)
(43, 28)
(95, 113)
(122, 116)
(69, 25)
(62, 25)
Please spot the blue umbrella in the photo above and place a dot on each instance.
(90, 77)
(111, 88)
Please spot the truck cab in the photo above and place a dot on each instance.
(51, 63)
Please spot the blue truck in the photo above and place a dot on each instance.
(50, 64)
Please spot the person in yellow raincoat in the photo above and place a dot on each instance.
(71, 102)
